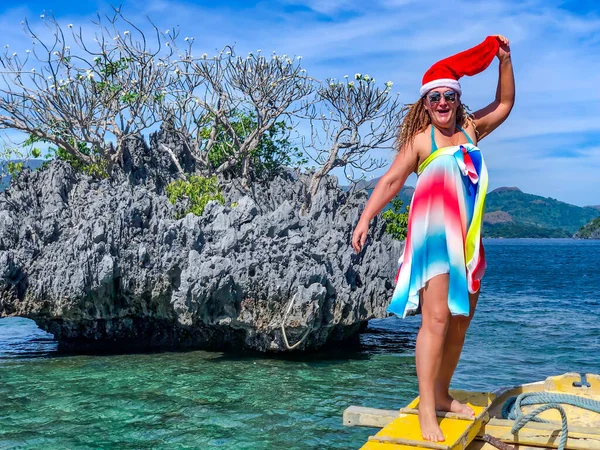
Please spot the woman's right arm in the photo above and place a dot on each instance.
(386, 189)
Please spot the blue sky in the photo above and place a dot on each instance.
(549, 144)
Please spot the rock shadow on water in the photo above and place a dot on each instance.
(377, 337)
(21, 338)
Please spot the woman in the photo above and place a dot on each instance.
(443, 260)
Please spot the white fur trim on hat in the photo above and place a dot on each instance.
(448, 82)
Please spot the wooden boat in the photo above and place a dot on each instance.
(488, 430)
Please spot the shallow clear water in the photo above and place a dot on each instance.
(538, 316)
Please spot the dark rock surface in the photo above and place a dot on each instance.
(103, 264)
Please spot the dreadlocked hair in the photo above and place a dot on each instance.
(417, 119)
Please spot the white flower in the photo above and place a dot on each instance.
(56, 53)
(125, 33)
(27, 51)
(288, 60)
(302, 70)
(357, 76)
(187, 39)
(134, 81)
(332, 84)
(50, 77)
(70, 25)
(351, 84)
(204, 55)
(41, 16)
(167, 32)
(345, 76)
(96, 59)
(67, 47)
(259, 50)
(52, 86)
(32, 70)
(6, 46)
(167, 44)
(389, 84)
(366, 78)
(15, 54)
(299, 57)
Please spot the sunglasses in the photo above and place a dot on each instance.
(435, 96)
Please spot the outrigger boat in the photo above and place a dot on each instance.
(561, 412)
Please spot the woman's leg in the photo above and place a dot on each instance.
(455, 338)
(429, 351)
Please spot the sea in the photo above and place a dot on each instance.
(538, 316)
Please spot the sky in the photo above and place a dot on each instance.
(548, 146)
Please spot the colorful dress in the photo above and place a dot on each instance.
(444, 228)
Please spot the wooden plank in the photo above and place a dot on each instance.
(543, 435)
(588, 431)
(446, 414)
(409, 442)
(359, 416)
(404, 432)
(471, 431)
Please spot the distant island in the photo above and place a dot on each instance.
(590, 231)
(512, 213)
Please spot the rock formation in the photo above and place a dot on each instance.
(104, 264)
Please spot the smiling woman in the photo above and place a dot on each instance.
(443, 261)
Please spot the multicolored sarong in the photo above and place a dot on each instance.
(444, 229)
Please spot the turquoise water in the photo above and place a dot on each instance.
(538, 316)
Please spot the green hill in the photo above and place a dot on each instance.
(590, 231)
(513, 213)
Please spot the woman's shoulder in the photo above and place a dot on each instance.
(423, 138)
(469, 128)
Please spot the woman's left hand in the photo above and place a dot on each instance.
(504, 49)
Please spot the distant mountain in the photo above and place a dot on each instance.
(512, 213)
(33, 164)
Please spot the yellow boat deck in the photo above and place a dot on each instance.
(404, 432)
(400, 429)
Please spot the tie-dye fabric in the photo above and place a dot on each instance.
(444, 229)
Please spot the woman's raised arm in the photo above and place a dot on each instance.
(489, 118)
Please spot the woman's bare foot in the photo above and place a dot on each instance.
(430, 430)
(447, 403)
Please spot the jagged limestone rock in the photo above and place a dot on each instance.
(105, 264)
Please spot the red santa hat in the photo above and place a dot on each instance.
(470, 62)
